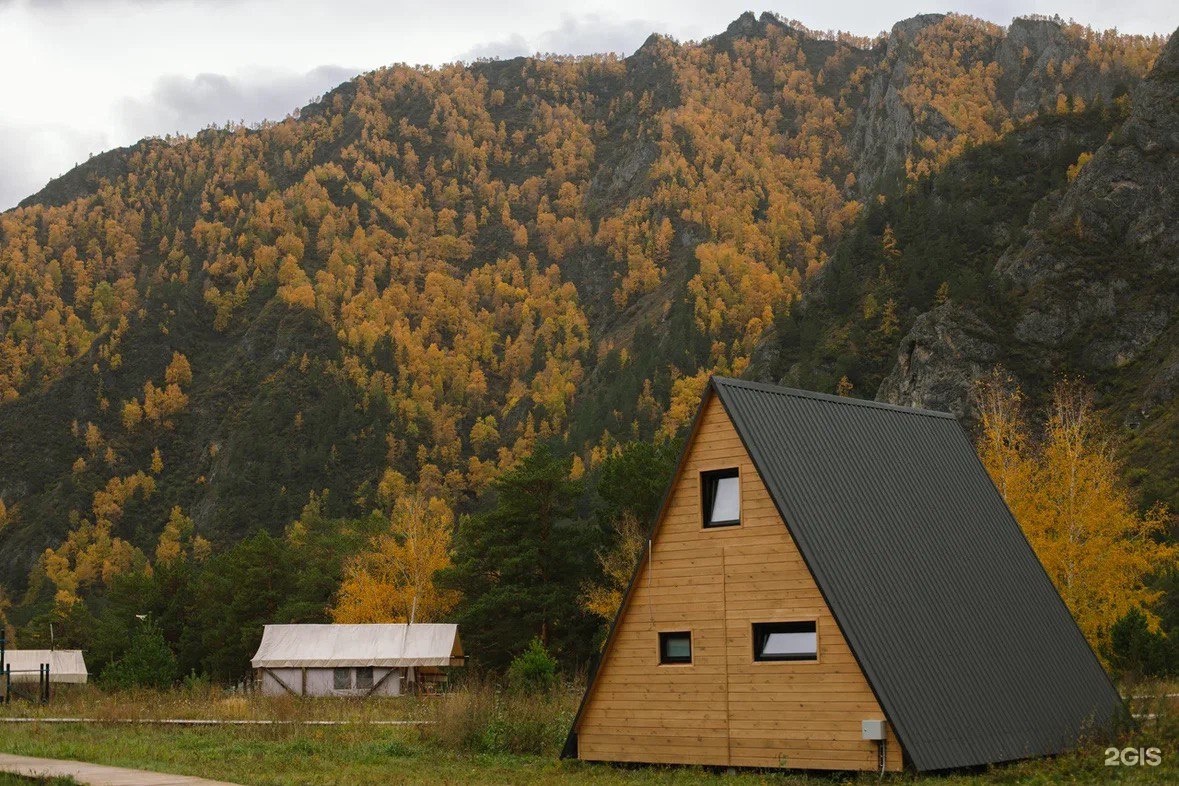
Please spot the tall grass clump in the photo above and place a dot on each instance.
(486, 716)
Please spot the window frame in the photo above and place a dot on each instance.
(709, 479)
(337, 671)
(758, 630)
(357, 685)
(667, 660)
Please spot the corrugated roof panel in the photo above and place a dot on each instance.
(961, 634)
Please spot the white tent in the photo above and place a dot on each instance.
(355, 660)
(65, 666)
(328, 646)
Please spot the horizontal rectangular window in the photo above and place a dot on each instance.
(721, 497)
(342, 679)
(675, 647)
(785, 641)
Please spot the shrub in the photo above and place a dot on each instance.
(534, 669)
(1135, 651)
(149, 662)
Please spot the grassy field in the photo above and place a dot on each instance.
(475, 736)
(7, 779)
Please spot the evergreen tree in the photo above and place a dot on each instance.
(634, 479)
(521, 564)
(149, 662)
(1134, 649)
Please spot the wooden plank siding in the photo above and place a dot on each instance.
(725, 709)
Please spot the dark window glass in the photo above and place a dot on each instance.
(721, 497)
(785, 641)
(342, 679)
(364, 677)
(675, 647)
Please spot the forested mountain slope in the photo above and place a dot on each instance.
(1052, 252)
(428, 272)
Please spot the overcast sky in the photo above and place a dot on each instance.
(82, 76)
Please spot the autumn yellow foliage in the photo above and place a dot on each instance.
(178, 542)
(1066, 492)
(393, 581)
(618, 565)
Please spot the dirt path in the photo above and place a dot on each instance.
(97, 774)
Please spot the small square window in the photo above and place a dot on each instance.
(364, 677)
(675, 647)
(785, 641)
(342, 679)
(721, 497)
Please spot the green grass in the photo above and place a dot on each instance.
(335, 756)
(477, 734)
(8, 779)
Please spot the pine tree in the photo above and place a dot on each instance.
(520, 566)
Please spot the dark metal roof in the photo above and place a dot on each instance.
(965, 641)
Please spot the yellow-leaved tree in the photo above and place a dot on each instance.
(1067, 493)
(618, 565)
(179, 541)
(393, 581)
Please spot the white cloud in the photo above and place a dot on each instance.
(187, 104)
(82, 75)
(594, 33)
(514, 45)
(30, 155)
(575, 35)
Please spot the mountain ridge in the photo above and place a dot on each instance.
(428, 272)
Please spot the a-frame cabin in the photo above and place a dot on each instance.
(836, 584)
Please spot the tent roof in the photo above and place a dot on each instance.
(960, 632)
(64, 665)
(325, 646)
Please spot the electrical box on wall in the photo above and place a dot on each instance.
(872, 729)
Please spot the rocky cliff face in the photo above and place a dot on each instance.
(938, 362)
(1096, 284)
(1092, 269)
(1094, 289)
(884, 130)
(1033, 60)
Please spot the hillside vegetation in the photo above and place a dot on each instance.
(215, 350)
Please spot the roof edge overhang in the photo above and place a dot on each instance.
(332, 663)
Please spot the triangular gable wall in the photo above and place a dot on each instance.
(724, 709)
